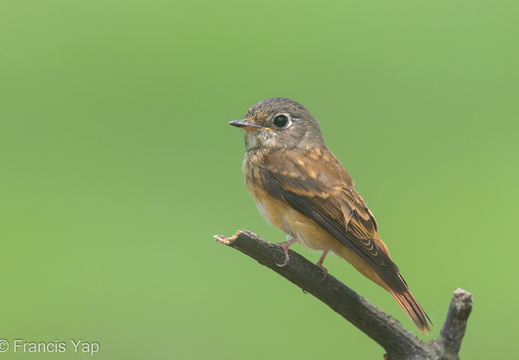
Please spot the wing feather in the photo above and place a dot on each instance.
(318, 186)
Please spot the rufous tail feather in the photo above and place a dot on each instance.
(413, 309)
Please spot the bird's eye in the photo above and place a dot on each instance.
(281, 121)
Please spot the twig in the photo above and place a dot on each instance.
(382, 328)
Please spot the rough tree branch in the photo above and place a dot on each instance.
(385, 330)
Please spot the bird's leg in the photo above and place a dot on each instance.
(319, 264)
(285, 245)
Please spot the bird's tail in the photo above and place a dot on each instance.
(387, 276)
(396, 285)
(413, 309)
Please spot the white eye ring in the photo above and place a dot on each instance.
(282, 121)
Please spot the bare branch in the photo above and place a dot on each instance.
(382, 328)
(455, 324)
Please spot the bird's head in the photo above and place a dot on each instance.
(280, 123)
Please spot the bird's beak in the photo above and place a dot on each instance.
(244, 124)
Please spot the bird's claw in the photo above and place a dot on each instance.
(285, 245)
(323, 269)
(319, 264)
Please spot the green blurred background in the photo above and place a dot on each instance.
(118, 166)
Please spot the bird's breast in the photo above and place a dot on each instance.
(272, 209)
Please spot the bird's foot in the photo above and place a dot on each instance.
(285, 245)
(319, 264)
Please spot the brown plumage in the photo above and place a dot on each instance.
(303, 189)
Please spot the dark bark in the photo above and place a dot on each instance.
(382, 328)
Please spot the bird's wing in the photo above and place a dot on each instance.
(318, 186)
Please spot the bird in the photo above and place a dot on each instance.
(300, 187)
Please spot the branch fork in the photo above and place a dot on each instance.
(399, 343)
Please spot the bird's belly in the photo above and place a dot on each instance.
(295, 224)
